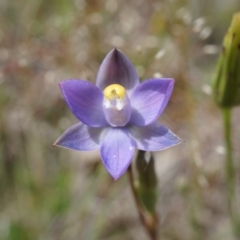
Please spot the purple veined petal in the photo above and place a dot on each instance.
(154, 137)
(117, 151)
(81, 137)
(85, 101)
(116, 68)
(149, 100)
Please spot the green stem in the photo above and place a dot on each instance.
(230, 171)
(229, 159)
(148, 221)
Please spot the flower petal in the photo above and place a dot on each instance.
(154, 137)
(80, 137)
(116, 68)
(117, 151)
(85, 101)
(149, 100)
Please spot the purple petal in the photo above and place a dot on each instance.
(117, 151)
(149, 100)
(85, 101)
(116, 68)
(154, 137)
(80, 137)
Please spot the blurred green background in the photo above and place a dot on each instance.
(49, 193)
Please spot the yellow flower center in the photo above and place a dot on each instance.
(114, 91)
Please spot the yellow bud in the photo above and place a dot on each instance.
(114, 91)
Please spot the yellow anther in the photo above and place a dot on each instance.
(114, 91)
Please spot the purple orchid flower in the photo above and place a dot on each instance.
(117, 115)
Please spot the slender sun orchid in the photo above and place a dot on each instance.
(117, 115)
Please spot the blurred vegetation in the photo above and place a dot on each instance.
(51, 193)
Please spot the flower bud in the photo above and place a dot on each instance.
(226, 86)
(147, 181)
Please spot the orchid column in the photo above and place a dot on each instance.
(118, 114)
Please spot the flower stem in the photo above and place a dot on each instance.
(149, 221)
(230, 171)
